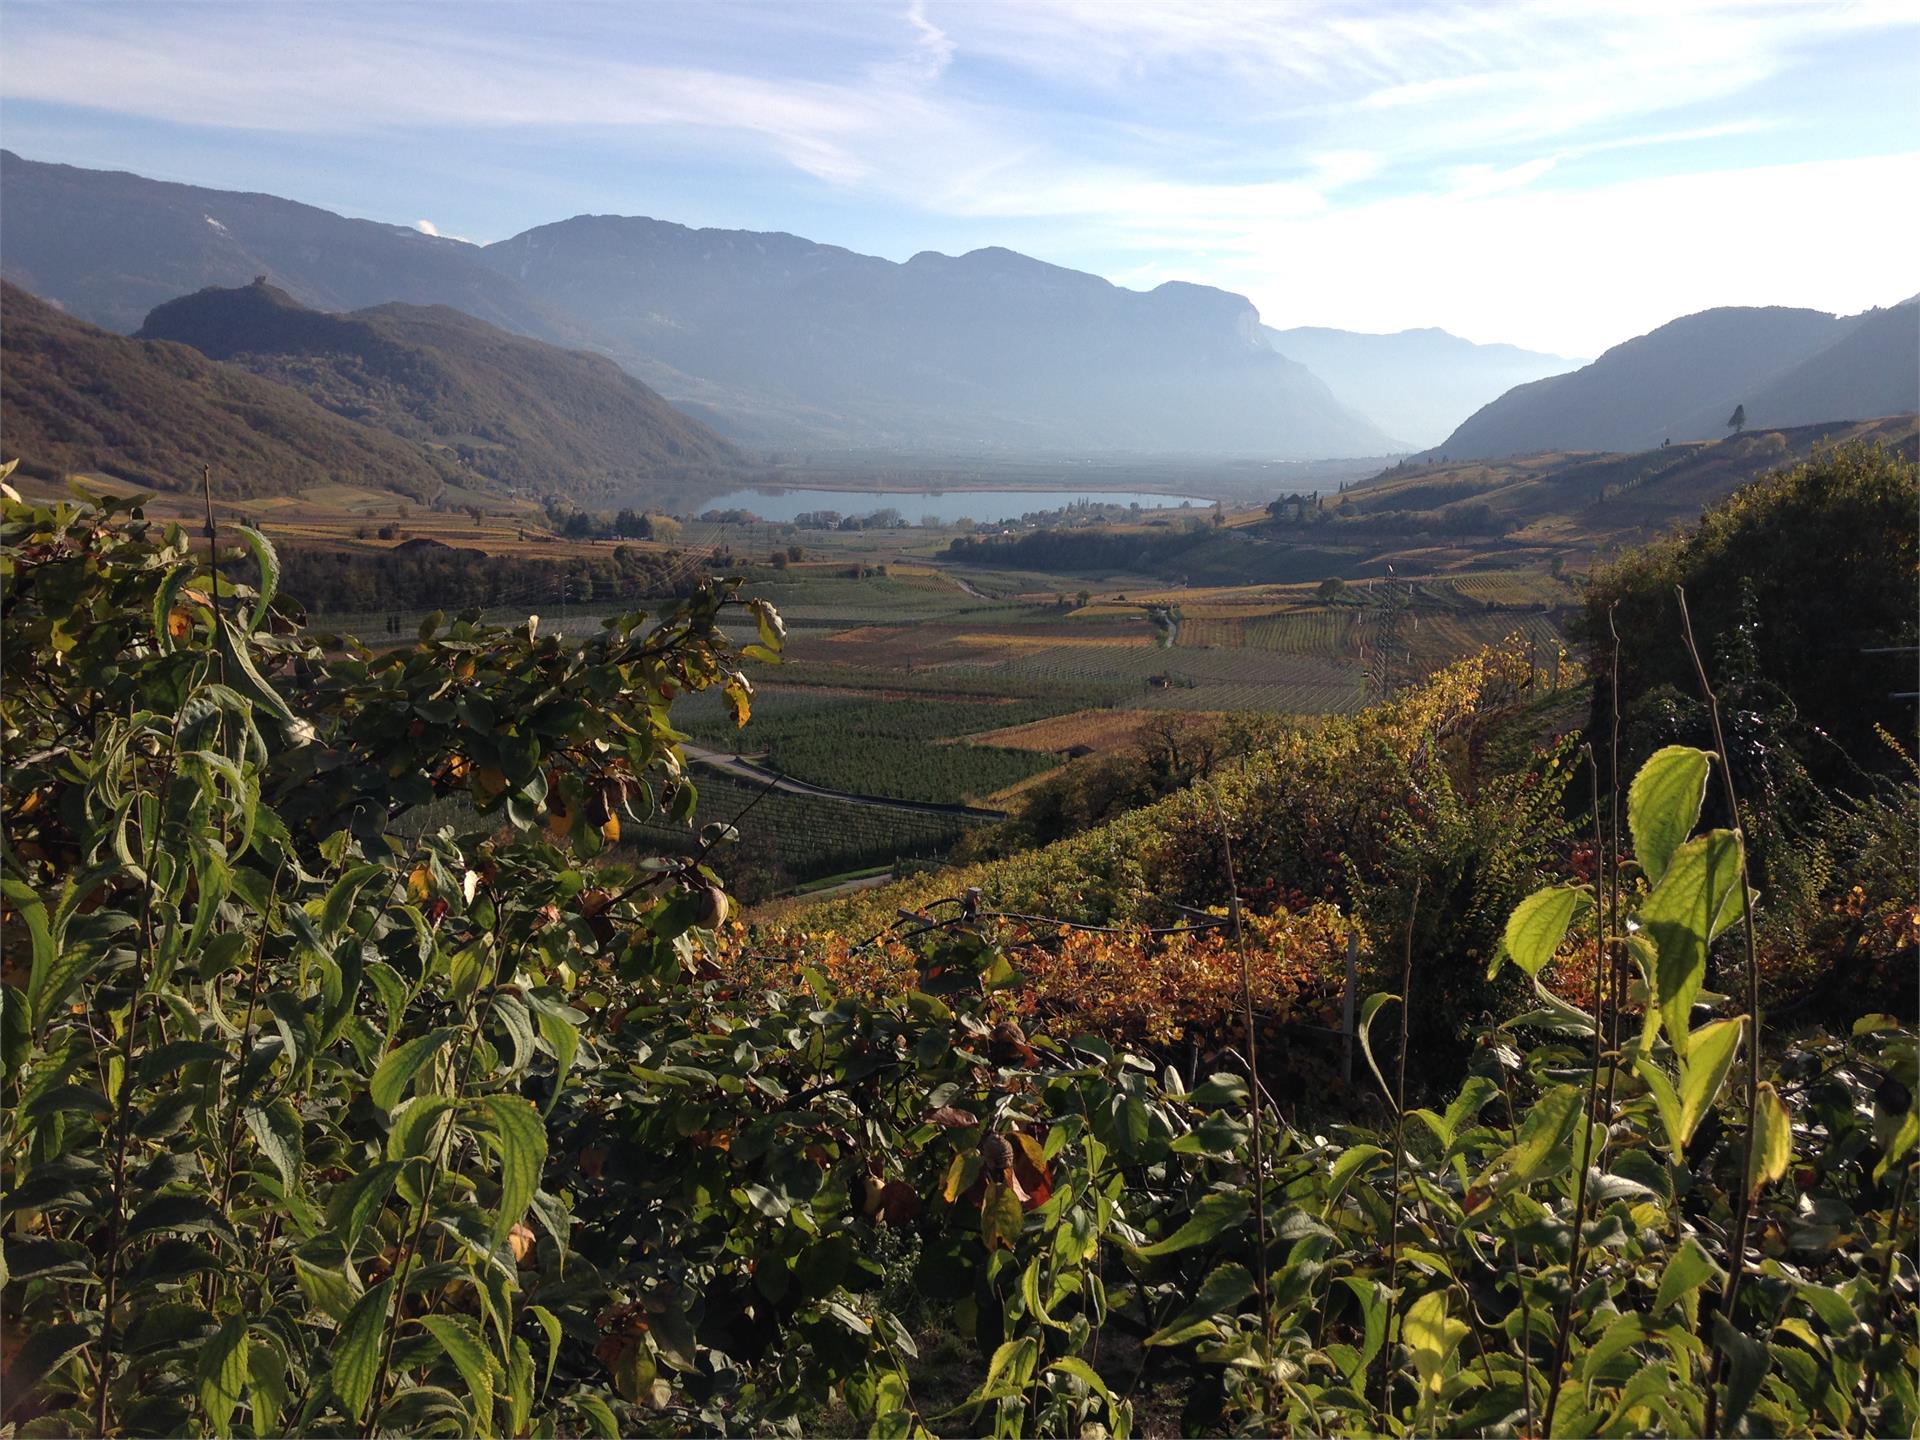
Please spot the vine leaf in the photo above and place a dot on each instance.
(1663, 805)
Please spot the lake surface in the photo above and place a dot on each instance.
(984, 506)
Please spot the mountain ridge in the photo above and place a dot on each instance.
(1683, 380)
(989, 348)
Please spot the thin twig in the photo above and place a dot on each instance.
(1743, 1207)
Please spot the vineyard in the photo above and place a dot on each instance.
(791, 839)
(858, 743)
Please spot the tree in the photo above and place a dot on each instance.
(1737, 421)
(664, 528)
(1332, 588)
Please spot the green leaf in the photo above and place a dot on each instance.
(563, 1039)
(43, 1351)
(1212, 1217)
(550, 1323)
(1689, 907)
(268, 1379)
(356, 1350)
(1748, 1361)
(1710, 1055)
(1432, 1335)
(268, 560)
(1471, 1100)
(460, 1339)
(1351, 1162)
(1008, 1371)
(276, 1130)
(1541, 1147)
(598, 1414)
(1539, 923)
(1663, 805)
(1084, 1373)
(522, 1142)
(1900, 1145)
(1219, 1299)
(1364, 1028)
(1772, 1149)
(1667, 1099)
(223, 1372)
(1001, 1218)
(1687, 1270)
(242, 675)
(396, 1072)
(338, 906)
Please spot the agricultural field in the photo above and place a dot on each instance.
(867, 745)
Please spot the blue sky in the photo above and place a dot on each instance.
(1557, 175)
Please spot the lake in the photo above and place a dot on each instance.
(984, 506)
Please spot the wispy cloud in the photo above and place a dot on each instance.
(1215, 140)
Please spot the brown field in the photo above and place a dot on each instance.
(1035, 638)
(1104, 730)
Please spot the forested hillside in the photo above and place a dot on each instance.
(152, 414)
(521, 413)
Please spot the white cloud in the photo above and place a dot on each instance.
(1377, 166)
(426, 227)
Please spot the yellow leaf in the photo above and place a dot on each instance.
(1772, 1138)
(179, 624)
(419, 884)
(610, 831)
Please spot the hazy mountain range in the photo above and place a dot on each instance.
(784, 344)
(1684, 381)
(1417, 384)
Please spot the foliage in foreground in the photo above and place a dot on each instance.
(313, 1131)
